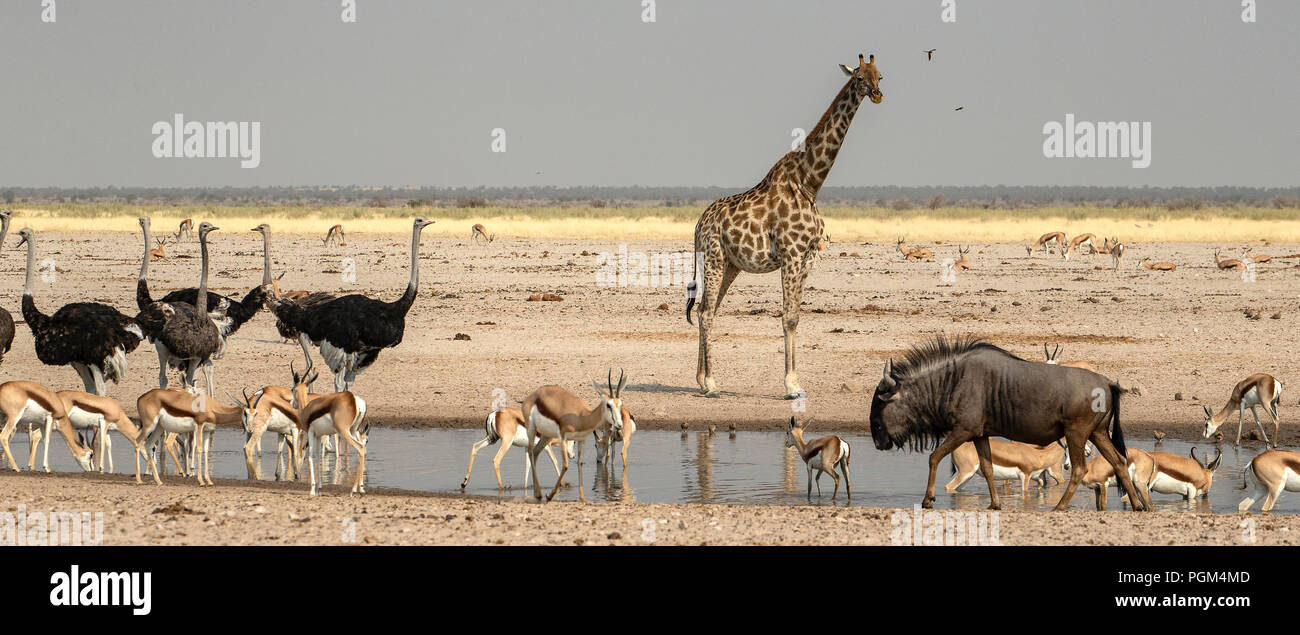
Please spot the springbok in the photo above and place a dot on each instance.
(1117, 253)
(101, 414)
(1012, 460)
(1099, 475)
(180, 412)
(271, 410)
(1187, 477)
(159, 252)
(1077, 243)
(479, 232)
(335, 235)
(1054, 358)
(914, 253)
(35, 405)
(338, 413)
(1227, 263)
(186, 229)
(1049, 237)
(288, 295)
(1259, 389)
(1163, 265)
(507, 425)
(963, 262)
(554, 412)
(822, 454)
(1259, 260)
(1270, 473)
(620, 434)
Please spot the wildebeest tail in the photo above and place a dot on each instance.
(1116, 432)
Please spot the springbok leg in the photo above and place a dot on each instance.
(1120, 464)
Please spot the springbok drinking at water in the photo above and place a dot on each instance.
(1259, 389)
(35, 405)
(553, 412)
(1187, 477)
(1099, 475)
(99, 414)
(507, 426)
(949, 392)
(619, 434)
(1270, 473)
(823, 454)
(1011, 461)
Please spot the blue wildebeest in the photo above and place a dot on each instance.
(947, 392)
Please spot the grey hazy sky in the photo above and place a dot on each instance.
(590, 95)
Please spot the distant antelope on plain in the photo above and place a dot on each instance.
(1227, 263)
(1259, 389)
(159, 252)
(1077, 243)
(1012, 460)
(479, 233)
(963, 262)
(1257, 259)
(1117, 253)
(823, 454)
(1162, 265)
(1270, 473)
(507, 427)
(1045, 241)
(1188, 477)
(186, 229)
(914, 253)
(335, 236)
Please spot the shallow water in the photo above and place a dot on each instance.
(753, 468)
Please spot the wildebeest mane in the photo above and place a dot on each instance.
(939, 350)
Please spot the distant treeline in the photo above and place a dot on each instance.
(991, 197)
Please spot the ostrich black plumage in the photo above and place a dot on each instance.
(228, 313)
(6, 319)
(286, 330)
(185, 336)
(352, 329)
(91, 337)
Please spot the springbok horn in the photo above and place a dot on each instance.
(246, 399)
(1198, 461)
(609, 381)
(622, 381)
(1045, 353)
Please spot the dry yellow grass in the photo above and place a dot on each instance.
(678, 223)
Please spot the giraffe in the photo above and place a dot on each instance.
(775, 225)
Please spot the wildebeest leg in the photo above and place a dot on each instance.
(1120, 465)
(986, 467)
(1075, 448)
(949, 443)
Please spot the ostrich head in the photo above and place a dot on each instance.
(422, 222)
(25, 234)
(262, 229)
(205, 227)
(144, 222)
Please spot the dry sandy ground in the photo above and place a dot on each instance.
(240, 513)
(1184, 331)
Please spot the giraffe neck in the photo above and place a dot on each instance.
(823, 143)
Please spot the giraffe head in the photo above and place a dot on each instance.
(866, 79)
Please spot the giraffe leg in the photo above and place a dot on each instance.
(793, 276)
(718, 276)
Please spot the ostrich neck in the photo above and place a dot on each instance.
(201, 301)
(415, 261)
(266, 257)
(4, 230)
(30, 284)
(144, 262)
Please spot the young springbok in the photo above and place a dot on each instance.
(1054, 357)
(554, 412)
(1012, 460)
(335, 235)
(1099, 476)
(1077, 243)
(822, 454)
(1163, 265)
(1259, 389)
(185, 414)
(1257, 259)
(35, 405)
(507, 425)
(1049, 237)
(338, 413)
(479, 232)
(1270, 473)
(621, 433)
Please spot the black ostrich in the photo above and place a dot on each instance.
(6, 320)
(185, 337)
(305, 301)
(228, 313)
(352, 329)
(91, 337)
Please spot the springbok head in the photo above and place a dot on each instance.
(792, 429)
(1210, 424)
(1055, 355)
(247, 407)
(611, 400)
(1208, 466)
(866, 78)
